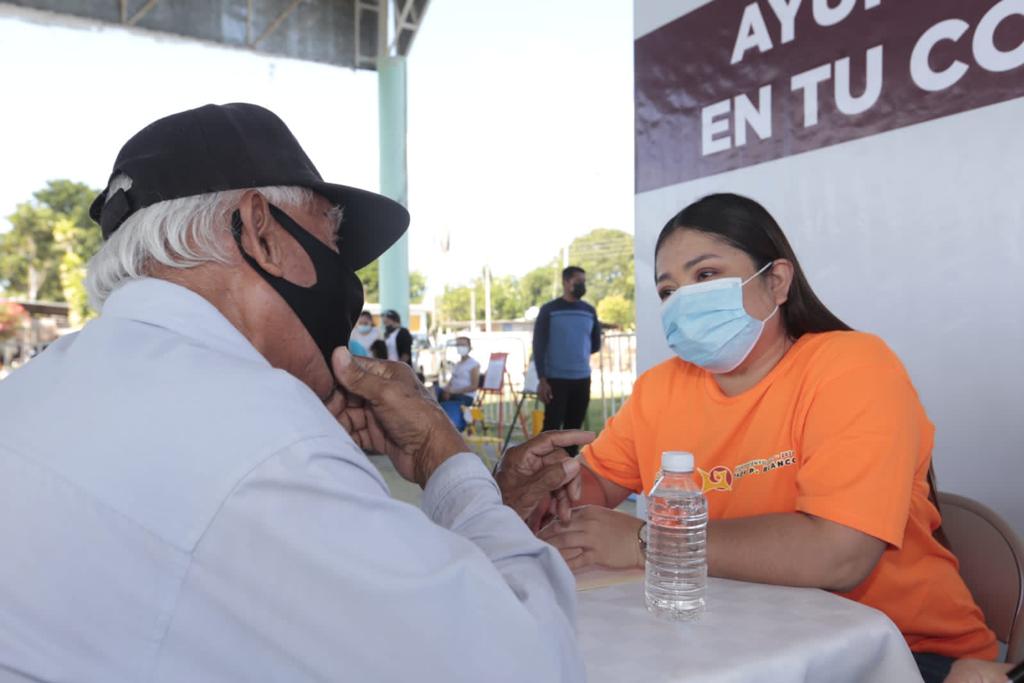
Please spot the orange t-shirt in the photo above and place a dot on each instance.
(835, 430)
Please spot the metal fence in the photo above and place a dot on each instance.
(613, 369)
(616, 372)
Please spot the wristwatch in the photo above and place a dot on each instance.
(641, 539)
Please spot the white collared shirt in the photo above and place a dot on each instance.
(172, 508)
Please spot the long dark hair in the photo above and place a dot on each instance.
(746, 225)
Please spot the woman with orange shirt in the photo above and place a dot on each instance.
(810, 441)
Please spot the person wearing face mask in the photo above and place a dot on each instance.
(398, 338)
(465, 378)
(205, 509)
(565, 335)
(811, 444)
(461, 388)
(364, 333)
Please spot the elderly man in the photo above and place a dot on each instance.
(184, 494)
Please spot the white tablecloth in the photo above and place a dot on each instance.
(749, 632)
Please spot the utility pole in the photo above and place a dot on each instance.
(472, 307)
(487, 298)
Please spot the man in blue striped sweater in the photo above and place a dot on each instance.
(565, 335)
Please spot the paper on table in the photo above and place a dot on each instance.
(597, 577)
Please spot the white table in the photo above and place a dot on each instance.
(749, 633)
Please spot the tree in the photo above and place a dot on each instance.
(71, 269)
(31, 255)
(541, 284)
(454, 304)
(370, 277)
(73, 200)
(506, 300)
(607, 256)
(28, 263)
(617, 310)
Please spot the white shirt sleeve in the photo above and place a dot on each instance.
(314, 573)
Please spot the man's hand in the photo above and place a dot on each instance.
(386, 410)
(538, 477)
(544, 392)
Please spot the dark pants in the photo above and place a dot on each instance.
(933, 668)
(568, 406)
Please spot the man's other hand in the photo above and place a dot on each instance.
(539, 477)
(386, 410)
(544, 392)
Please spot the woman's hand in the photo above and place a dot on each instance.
(596, 536)
(978, 671)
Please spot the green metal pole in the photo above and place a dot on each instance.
(394, 263)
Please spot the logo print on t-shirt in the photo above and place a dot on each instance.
(721, 478)
(718, 479)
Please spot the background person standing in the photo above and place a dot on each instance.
(565, 335)
(398, 338)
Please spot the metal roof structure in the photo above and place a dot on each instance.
(344, 33)
(375, 35)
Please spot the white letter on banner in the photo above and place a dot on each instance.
(808, 82)
(921, 71)
(759, 118)
(869, 4)
(826, 15)
(847, 103)
(988, 56)
(710, 128)
(785, 12)
(753, 33)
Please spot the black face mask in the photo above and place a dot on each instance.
(329, 308)
(579, 289)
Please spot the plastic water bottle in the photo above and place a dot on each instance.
(676, 571)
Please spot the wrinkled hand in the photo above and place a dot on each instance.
(596, 536)
(544, 392)
(978, 671)
(386, 410)
(538, 477)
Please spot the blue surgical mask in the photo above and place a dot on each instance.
(706, 324)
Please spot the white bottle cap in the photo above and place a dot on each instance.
(676, 461)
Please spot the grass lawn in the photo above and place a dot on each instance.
(594, 420)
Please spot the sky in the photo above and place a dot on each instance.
(520, 118)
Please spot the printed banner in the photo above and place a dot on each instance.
(737, 83)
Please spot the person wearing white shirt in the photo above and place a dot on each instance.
(364, 333)
(460, 391)
(398, 338)
(465, 379)
(184, 494)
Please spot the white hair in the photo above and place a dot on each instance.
(179, 233)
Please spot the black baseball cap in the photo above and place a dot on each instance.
(234, 147)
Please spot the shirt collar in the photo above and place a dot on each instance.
(164, 304)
